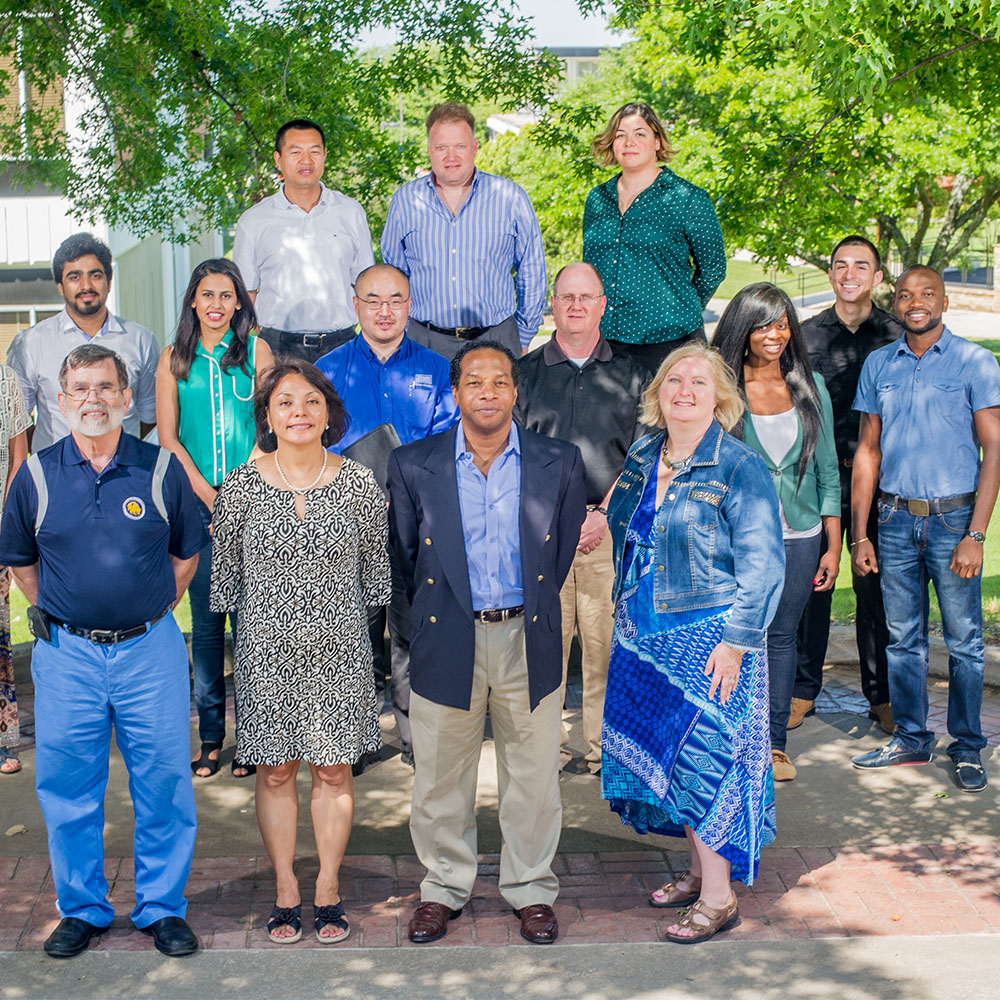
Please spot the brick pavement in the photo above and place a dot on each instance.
(920, 889)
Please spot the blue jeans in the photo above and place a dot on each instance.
(208, 648)
(801, 560)
(912, 551)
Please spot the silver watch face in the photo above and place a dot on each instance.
(976, 536)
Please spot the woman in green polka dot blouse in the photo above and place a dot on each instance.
(654, 237)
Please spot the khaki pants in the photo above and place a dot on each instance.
(446, 747)
(587, 611)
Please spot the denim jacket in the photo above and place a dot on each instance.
(718, 534)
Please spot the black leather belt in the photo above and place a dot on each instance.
(310, 339)
(498, 614)
(923, 508)
(458, 332)
(106, 637)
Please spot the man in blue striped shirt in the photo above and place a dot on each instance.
(458, 233)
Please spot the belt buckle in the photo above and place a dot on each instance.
(919, 508)
(461, 331)
(312, 340)
(103, 636)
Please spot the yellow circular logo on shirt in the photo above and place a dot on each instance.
(134, 508)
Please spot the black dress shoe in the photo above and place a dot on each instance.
(970, 775)
(70, 937)
(172, 936)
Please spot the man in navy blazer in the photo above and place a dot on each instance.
(484, 522)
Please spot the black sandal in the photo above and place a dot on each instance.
(326, 915)
(249, 768)
(285, 916)
(205, 761)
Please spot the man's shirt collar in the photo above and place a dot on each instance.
(553, 354)
(111, 324)
(939, 346)
(126, 453)
(282, 200)
(463, 454)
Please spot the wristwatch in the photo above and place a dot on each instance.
(976, 536)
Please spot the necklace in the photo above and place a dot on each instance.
(679, 465)
(304, 489)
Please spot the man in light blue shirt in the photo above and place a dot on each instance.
(928, 402)
(383, 377)
(458, 233)
(484, 523)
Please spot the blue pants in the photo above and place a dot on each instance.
(912, 552)
(208, 648)
(141, 688)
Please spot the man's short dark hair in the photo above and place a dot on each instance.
(88, 355)
(452, 111)
(268, 382)
(80, 245)
(302, 125)
(455, 372)
(857, 241)
(559, 274)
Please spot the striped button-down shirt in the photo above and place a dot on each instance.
(460, 266)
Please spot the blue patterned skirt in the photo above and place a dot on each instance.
(670, 757)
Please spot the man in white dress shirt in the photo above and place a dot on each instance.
(82, 270)
(301, 250)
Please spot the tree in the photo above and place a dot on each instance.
(183, 96)
(808, 121)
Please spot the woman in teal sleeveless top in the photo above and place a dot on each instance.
(204, 414)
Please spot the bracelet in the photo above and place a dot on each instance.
(598, 508)
(859, 541)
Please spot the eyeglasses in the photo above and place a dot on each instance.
(105, 391)
(584, 300)
(375, 305)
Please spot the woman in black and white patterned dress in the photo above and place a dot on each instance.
(300, 552)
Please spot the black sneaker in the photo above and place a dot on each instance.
(890, 755)
(970, 775)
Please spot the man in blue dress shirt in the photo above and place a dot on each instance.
(484, 521)
(383, 377)
(103, 535)
(928, 402)
(458, 232)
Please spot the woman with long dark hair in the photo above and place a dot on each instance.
(789, 421)
(204, 414)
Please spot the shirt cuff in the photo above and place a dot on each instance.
(747, 640)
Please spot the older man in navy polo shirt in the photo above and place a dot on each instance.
(384, 377)
(928, 402)
(103, 535)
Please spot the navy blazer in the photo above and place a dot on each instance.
(428, 544)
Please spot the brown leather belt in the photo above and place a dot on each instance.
(498, 614)
(924, 508)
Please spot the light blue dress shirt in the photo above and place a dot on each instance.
(460, 266)
(410, 390)
(491, 526)
(929, 444)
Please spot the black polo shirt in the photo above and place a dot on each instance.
(595, 407)
(103, 549)
(838, 354)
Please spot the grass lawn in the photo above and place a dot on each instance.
(744, 272)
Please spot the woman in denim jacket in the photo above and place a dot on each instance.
(698, 571)
(789, 423)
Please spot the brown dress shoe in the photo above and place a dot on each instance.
(882, 714)
(782, 766)
(801, 707)
(430, 922)
(538, 923)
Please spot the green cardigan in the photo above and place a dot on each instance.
(819, 494)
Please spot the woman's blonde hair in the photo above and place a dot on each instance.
(602, 146)
(729, 403)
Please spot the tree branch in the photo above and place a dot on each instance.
(851, 105)
(968, 222)
(924, 214)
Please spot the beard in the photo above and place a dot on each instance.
(88, 308)
(96, 425)
(926, 326)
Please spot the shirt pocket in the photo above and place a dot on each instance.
(701, 509)
(946, 384)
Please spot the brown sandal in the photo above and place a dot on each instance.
(673, 895)
(718, 920)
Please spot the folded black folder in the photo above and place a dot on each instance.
(373, 450)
